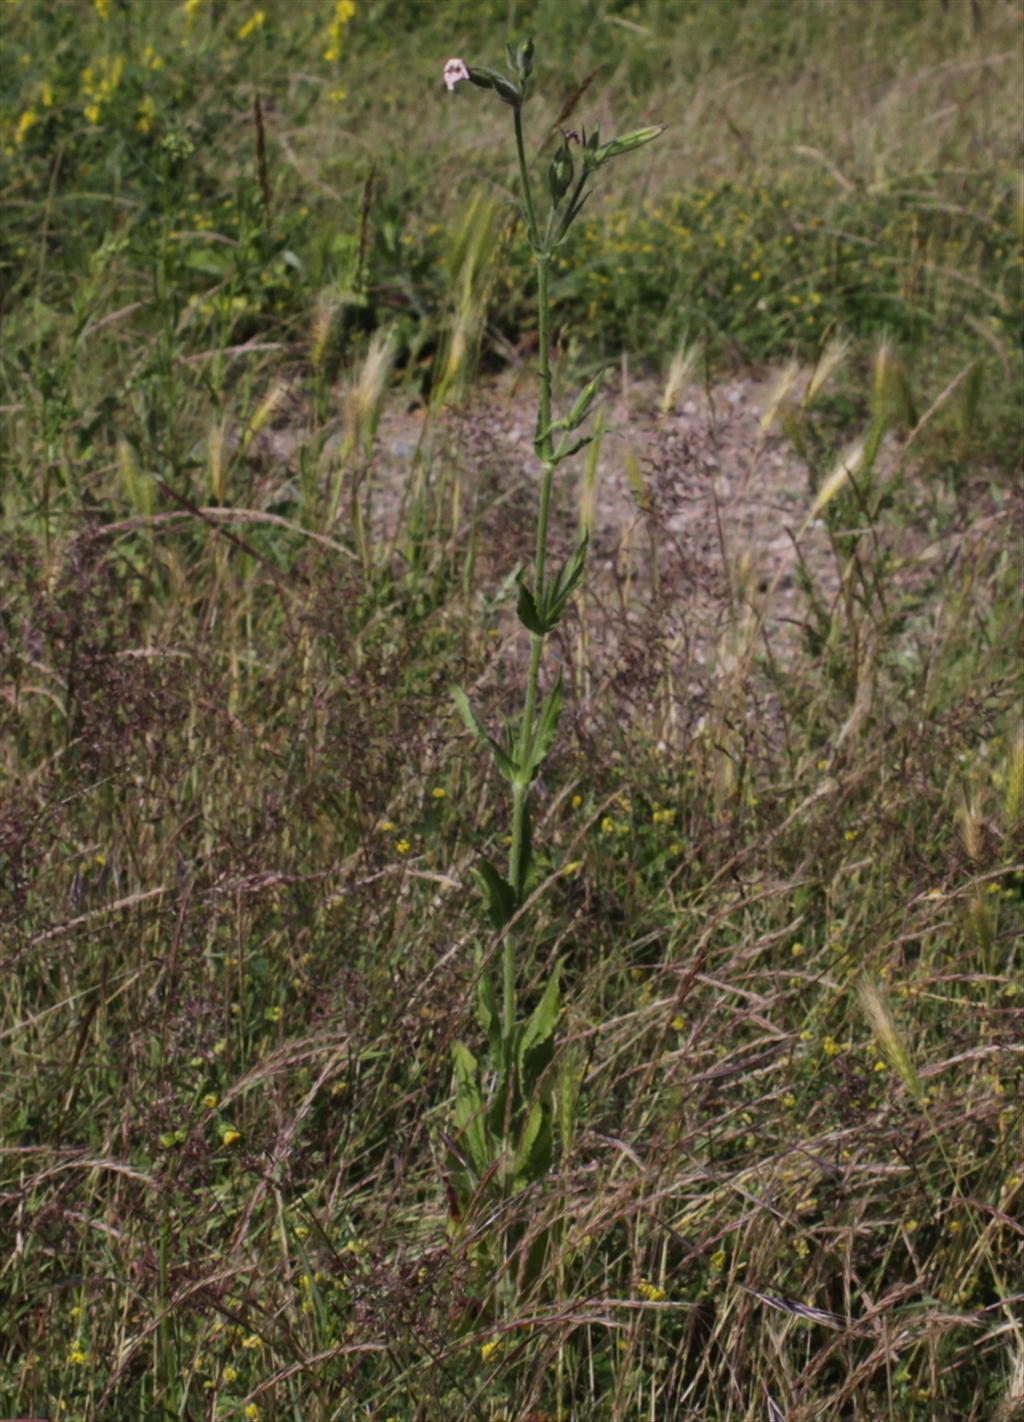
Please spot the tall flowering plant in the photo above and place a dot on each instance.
(509, 1137)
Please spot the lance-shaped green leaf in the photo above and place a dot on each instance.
(527, 610)
(566, 451)
(469, 1109)
(537, 1043)
(569, 217)
(584, 400)
(547, 727)
(535, 1148)
(506, 763)
(487, 1014)
(565, 584)
(575, 417)
(497, 893)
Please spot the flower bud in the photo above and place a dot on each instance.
(560, 173)
(508, 92)
(524, 59)
(626, 143)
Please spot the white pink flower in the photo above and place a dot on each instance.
(454, 71)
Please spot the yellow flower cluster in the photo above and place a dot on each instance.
(99, 84)
(343, 12)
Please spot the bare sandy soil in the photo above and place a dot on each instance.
(702, 542)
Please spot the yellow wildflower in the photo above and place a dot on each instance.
(402, 847)
(229, 1136)
(252, 1342)
(28, 118)
(102, 8)
(438, 793)
(650, 1291)
(77, 1356)
(211, 1101)
(343, 12)
(255, 22)
(489, 1349)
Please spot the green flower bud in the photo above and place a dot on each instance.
(508, 92)
(625, 144)
(524, 59)
(560, 173)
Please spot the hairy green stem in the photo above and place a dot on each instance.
(521, 789)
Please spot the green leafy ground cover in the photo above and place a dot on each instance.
(239, 814)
